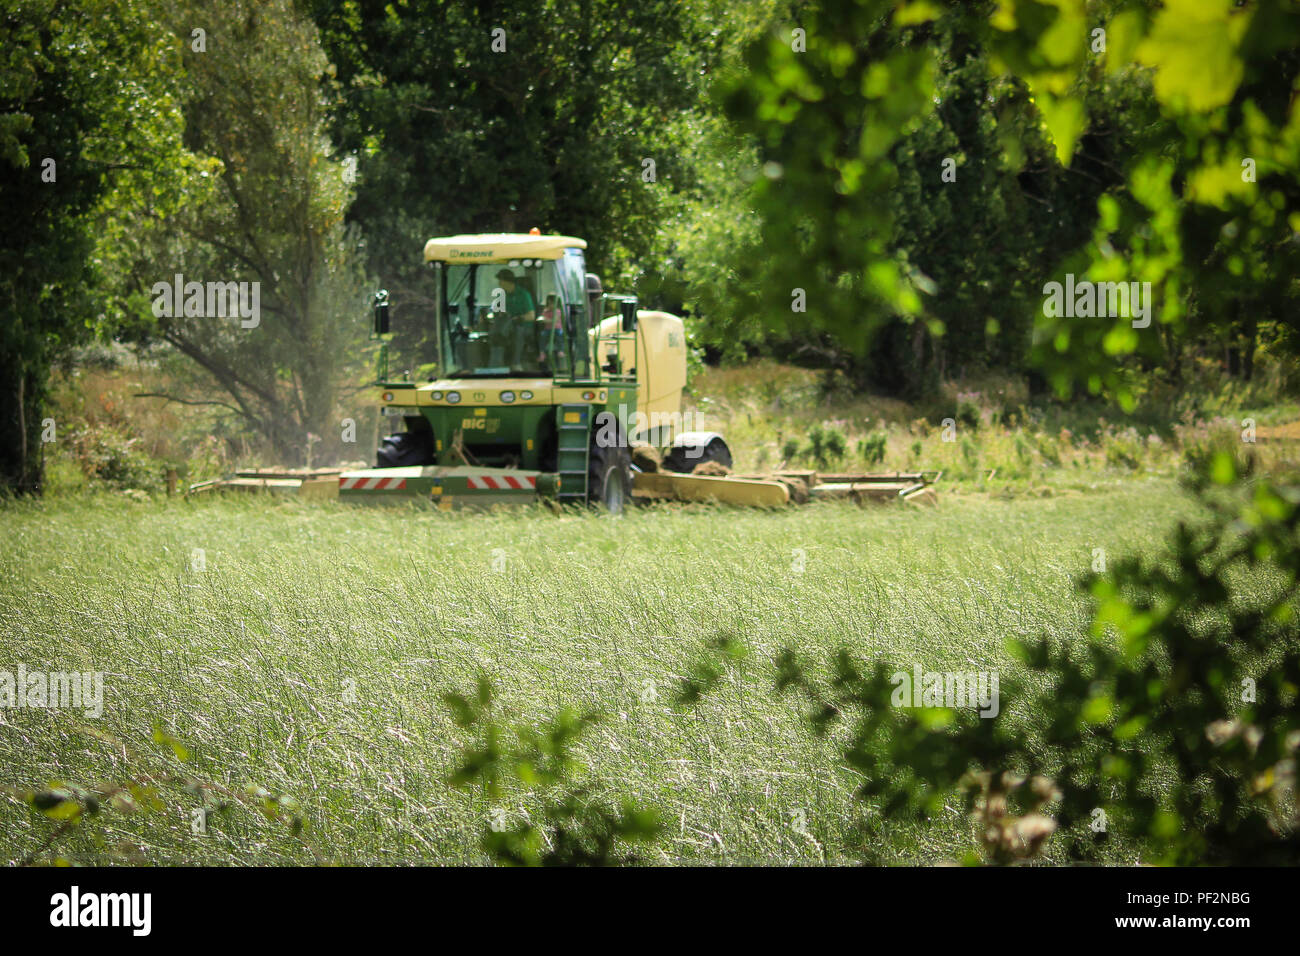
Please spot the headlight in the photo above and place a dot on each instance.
(453, 397)
(436, 396)
(507, 397)
(388, 396)
(526, 395)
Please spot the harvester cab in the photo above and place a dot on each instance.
(537, 381)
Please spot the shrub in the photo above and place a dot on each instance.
(109, 456)
(1202, 441)
(826, 444)
(566, 823)
(1024, 452)
(968, 410)
(1179, 726)
(1121, 454)
(63, 476)
(1049, 449)
(872, 448)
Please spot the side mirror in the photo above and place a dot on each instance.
(381, 312)
(628, 309)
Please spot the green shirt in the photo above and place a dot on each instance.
(519, 302)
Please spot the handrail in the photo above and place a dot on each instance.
(621, 376)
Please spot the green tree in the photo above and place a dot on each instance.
(270, 210)
(515, 114)
(1211, 198)
(826, 96)
(87, 113)
(1116, 157)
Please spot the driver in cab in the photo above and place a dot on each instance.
(519, 302)
(520, 312)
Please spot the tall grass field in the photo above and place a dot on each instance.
(299, 652)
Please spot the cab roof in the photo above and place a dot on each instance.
(498, 247)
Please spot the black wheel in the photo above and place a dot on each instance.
(609, 475)
(677, 459)
(406, 448)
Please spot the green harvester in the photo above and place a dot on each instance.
(537, 383)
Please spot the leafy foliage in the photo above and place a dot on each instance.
(519, 115)
(156, 785)
(1180, 725)
(268, 207)
(926, 168)
(826, 444)
(1191, 219)
(707, 671)
(872, 448)
(89, 88)
(568, 824)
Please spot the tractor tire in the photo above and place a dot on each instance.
(677, 459)
(609, 476)
(405, 448)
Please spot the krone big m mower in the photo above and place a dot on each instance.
(540, 385)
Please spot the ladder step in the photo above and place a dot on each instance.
(573, 438)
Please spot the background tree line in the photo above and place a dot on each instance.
(918, 170)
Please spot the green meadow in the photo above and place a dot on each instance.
(270, 663)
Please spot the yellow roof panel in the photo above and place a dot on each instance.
(499, 247)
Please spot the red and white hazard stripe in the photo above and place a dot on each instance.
(372, 484)
(501, 482)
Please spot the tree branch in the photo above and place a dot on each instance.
(188, 401)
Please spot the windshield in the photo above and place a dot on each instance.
(504, 319)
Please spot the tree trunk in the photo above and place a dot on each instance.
(1173, 348)
(1251, 329)
(21, 465)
